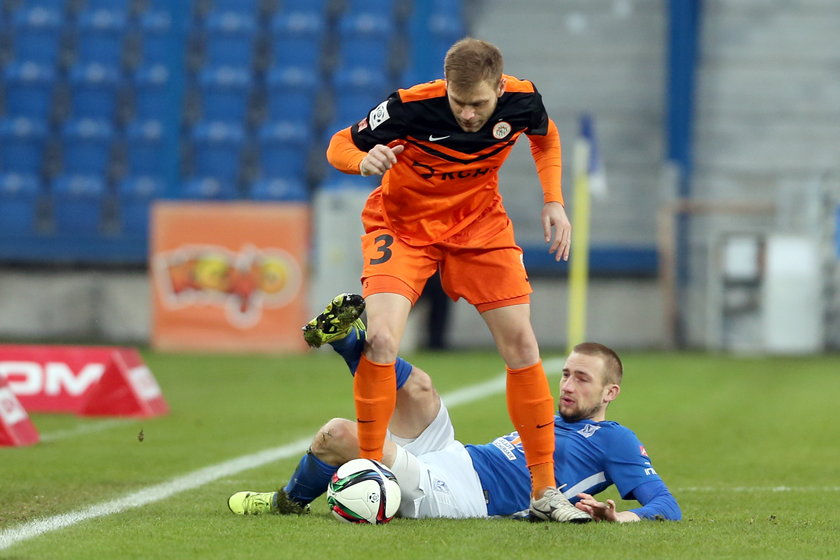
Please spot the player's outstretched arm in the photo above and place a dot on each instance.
(604, 511)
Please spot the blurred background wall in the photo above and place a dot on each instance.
(716, 123)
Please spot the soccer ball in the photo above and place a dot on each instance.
(363, 491)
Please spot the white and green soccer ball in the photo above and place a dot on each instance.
(363, 491)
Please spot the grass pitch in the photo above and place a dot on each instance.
(747, 445)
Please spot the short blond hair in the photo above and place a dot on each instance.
(471, 61)
(613, 369)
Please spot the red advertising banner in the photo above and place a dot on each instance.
(86, 380)
(229, 276)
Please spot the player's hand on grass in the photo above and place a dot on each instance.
(603, 511)
(380, 159)
(554, 218)
(600, 511)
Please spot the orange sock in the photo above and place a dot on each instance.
(531, 408)
(375, 393)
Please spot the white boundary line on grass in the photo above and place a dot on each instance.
(83, 429)
(195, 479)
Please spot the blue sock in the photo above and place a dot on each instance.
(351, 347)
(310, 479)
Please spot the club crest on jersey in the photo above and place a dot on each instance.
(589, 430)
(500, 130)
(379, 115)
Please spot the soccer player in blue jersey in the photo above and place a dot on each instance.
(440, 477)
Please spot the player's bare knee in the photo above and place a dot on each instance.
(382, 346)
(520, 351)
(418, 385)
(336, 442)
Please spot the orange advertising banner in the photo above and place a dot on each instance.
(229, 276)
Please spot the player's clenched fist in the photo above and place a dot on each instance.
(380, 159)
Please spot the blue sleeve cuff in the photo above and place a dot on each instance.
(657, 502)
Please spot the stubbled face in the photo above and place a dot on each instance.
(473, 107)
(583, 391)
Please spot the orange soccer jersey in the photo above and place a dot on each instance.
(446, 178)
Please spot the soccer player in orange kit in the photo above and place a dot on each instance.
(438, 147)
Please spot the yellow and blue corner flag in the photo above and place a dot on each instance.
(589, 180)
(593, 164)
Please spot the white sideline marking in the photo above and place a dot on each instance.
(190, 481)
(492, 386)
(83, 429)
(151, 494)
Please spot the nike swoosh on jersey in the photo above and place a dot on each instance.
(433, 138)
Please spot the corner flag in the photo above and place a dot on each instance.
(589, 178)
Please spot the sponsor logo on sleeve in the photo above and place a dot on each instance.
(379, 115)
(505, 447)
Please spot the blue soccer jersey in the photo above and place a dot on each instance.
(588, 457)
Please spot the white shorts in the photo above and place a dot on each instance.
(436, 474)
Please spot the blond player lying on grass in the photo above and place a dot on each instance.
(441, 477)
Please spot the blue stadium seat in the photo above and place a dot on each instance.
(121, 5)
(297, 39)
(229, 39)
(135, 196)
(280, 190)
(225, 92)
(357, 91)
(284, 149)
(366, 40)
(452, 9)
(22, 143)
(56, 5)
(86, 146)
(144, 148)
(380, 7)
(158, 37)
(251, 7)
(153, 96)
(217, 149)
(445, 28)
(337, 179)
(19, 195)
(100, 36)
(29, 89)
(319, 7)
(93, 91)
(78, 204)
(164, 5)
(292, 92)
(37, 34)
(209, 188)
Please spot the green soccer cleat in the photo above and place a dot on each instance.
(258, 503)
(338, 319)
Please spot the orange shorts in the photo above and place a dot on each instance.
(481, 264)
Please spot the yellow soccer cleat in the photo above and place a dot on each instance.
(258, 503)
(337, 320)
